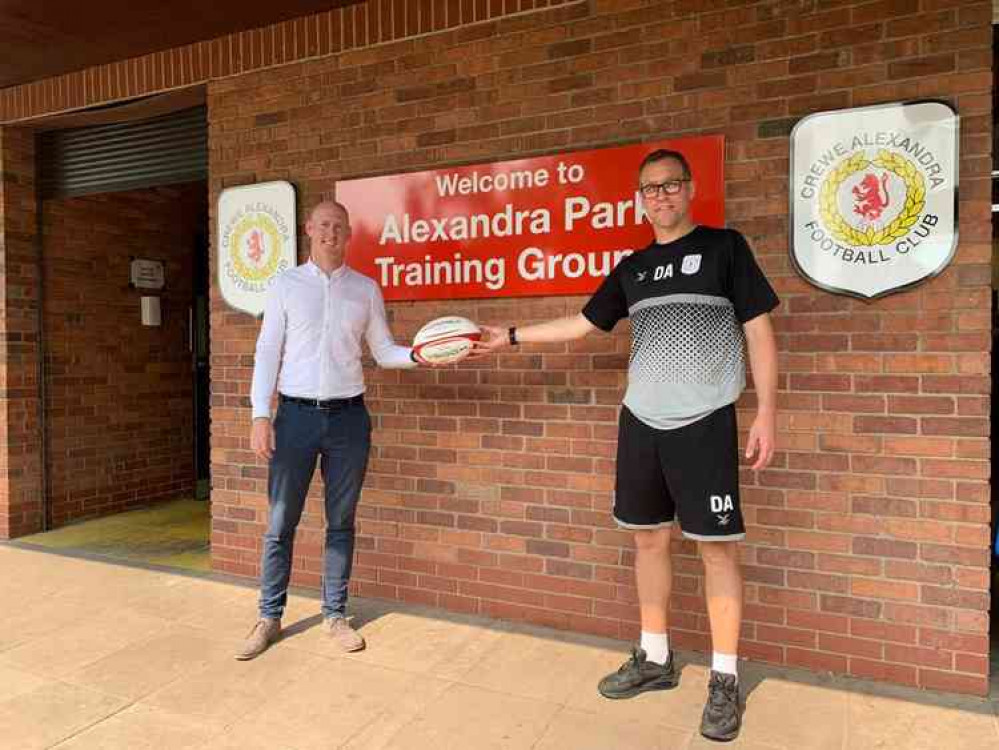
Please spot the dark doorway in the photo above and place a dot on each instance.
(200, 354)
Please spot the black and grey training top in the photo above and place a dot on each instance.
(687, 301)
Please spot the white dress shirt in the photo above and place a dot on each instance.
(310, 341)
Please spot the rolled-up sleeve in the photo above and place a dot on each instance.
(383, 347)
(267, 360)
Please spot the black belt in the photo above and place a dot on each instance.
(322, 403)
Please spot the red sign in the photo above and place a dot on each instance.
(551, 225)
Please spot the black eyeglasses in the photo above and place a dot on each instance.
(669, 187)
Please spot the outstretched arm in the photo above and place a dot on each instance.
(560, 329)
(380, 341)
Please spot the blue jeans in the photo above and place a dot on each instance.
(341, 437)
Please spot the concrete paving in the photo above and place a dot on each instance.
(97, 655)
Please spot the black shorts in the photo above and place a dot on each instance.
(691, 473)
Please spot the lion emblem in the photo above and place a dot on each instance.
(256, 249)
(871, 197)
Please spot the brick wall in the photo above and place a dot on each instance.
(490, 486)
(118, 394)
(352, 26)
(20, 438)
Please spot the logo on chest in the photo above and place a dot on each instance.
(689, 266)
(645, 275)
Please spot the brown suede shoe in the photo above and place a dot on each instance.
(264, 633)
(343, 635)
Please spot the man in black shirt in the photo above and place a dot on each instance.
(696, 298)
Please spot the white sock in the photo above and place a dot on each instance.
(655, 646)
(725, 663)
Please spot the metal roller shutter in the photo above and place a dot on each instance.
(162, 150)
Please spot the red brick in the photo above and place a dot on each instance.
(978, 665)
(972, 492)
(933, 679)
(883, 465)
(785, 518)
(846, 363)
(884, 548)
(883, 507)
(955, 426)
(785, 558)
(850, 443)
(887, 383)
(886, 631)
(918, 446)
(855, 404)
(906, 487)
(941, 639)
(878, 670)
(765, 652)
(875, 589)
(951, 597)
(885, 425)
(839, 644)
(882, 342)
(922, 530)
(819, 382)
(915, 614)
(972, 578)
(817, 582)
(920, 363)
(822, 621)
(820, 61)
(920, 405)
(930, 65)
(977, 622)
(955, 469)
(786, 636)
(905, 570)
(787, 598)
(757, 574)
(849, 606)
(818, 541)
(853, 524)
(816, 660)
(955, 384)
(849, 564)
(952, 554)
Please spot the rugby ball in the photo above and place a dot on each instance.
(446, 340)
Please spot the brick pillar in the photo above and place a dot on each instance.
(20, 433)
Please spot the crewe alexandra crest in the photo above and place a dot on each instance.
(874, 196)
(256, 238)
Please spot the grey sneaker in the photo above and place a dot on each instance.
(637, 675)
(343, 635)
(264, 633)
(722, 716)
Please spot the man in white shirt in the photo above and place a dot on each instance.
(309, 349)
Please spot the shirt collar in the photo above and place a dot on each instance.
(316, 271)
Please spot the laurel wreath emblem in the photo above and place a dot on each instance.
(274, 257)
(915, 200)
